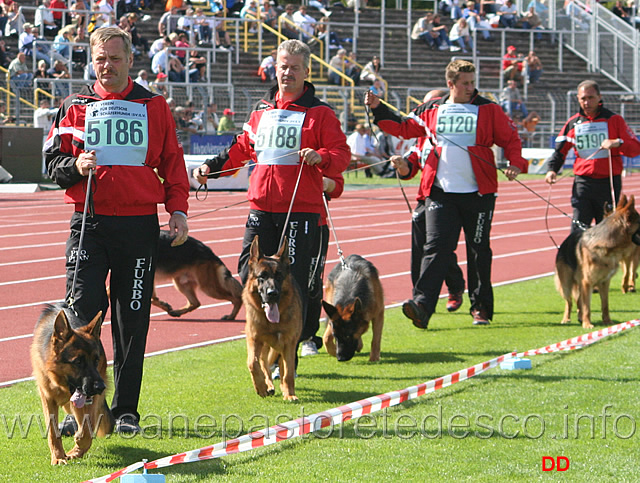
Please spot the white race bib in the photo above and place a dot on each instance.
(457, 124)
(279, 137)
(589, 137)
(118, 132)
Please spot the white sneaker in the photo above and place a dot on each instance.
(454, 48)
(308, 349)
(443, 47)
(146, 18)
(275, 372)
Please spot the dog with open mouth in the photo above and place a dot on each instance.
(70, 369)
(274, 319)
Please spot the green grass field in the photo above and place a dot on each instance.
(497, 426)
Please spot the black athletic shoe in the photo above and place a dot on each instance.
(127, 424)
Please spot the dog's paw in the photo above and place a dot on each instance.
(227, 317)
(587, 325)
(58, 461)
(374, 358)
(76, 453)
(271, 392)
(565, 321)
(291, 398)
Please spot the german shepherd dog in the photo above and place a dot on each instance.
(70, 368)
(274, 320)
(589, 259)
(353, 298)
(192, 265)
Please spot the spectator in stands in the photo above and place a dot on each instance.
(287, 22)
(529, 124)
(269, 14)
(4, 59)
(512, 65)
(181, 41)
(107, 15)
(620, 10)
(477, 21)
(442, 40)
(168, 22)
(41, 73)
(77, 14)
(186, 21)
(533, 66)
(306, 23)
(177, 4)
(226, 122)
(20, 73)
(197, 67)
(139, 42)
(420, 30)
(44, 20)
(43, 116)
(371, 70)
(142, 79)
(488, 7)
(166, 63)
(338, 63)
(267, 69)
(512, 103)
(531, 21)
(159, 86)
(15, 21)
(352, 69)
(55, 6)
(210, 118)
(61, 47)
(202, 27)
(320, 5)
(223, 41)
(539, 8)
(59, 72)
(329, 37)
(250, 11)
(79, 53)
(363, 151)
(508, 14)
(378, 88)
(25, 44)
(460, 33)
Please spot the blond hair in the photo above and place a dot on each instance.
(103, 35)
(456, 67)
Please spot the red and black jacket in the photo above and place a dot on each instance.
(271, 187)
(493, 127)
(120, 190)
(598, 166)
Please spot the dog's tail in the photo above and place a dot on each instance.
(107, 421)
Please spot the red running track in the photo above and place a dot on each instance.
(374, 223)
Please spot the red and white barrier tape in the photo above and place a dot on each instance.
(315, 422)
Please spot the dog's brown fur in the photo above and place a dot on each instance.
(67, 354)
(270, 282)
(589, 259)
(353, 297)
(192, 265)
(629, 264)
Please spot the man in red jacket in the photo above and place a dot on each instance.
(459, 182)
(595, 133)
(124, 134)
(290, 133)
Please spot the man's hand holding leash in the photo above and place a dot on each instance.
(310, 156)
(86, 162)
(201, 174)
(512, 172)
(178, 227)
(371, 100)
(401, 165)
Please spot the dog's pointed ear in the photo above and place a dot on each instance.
(62, 331)
(282, 249)
(357, 305)
(254, 251)
(329, 309)
(622, 202)
(95, 326)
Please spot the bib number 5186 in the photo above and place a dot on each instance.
(121, 132)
